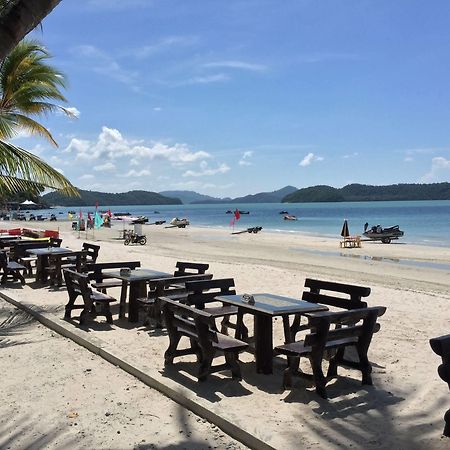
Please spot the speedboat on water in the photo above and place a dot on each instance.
(289, 217)
(385, 235)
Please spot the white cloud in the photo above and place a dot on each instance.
(164, 45)
(408, 159)
(205, 171)
(309, 159)
(59, 170)
(135, 173)
(157, 108)
(439, 165)
(107, 167)
(244, 161)
(242, 65)
(104, 64)
(86, 177)
(207, 79)
(351, 155)
(111, 145)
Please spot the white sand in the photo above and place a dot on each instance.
(404, 409)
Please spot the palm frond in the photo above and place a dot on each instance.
(20, 169)
(33, 127)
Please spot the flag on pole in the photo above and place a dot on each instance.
(98, 221)
(237, 214)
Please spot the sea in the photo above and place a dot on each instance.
(424, 222)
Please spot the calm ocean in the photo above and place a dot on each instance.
(424, 222)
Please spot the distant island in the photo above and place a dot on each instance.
(90, 198)
(288, 194)
(367, 193)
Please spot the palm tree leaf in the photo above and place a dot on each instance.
(19, 167)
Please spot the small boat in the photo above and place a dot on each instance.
(181, 223)
(229, 212)
(289, 217)
(121, 214)
(140, 219)
(244, 212)
(385, 235)
(283, 212)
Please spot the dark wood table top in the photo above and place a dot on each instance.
(272, 305)
(49, 251)
(137, 274)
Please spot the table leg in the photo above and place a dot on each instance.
(137, 289)
(123, 299)
(263, 343)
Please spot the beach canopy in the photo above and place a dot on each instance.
(344, 232)
(28, 202)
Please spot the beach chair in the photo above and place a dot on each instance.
(352, 328)
(10, 269)
(78, 285)
(205, 341)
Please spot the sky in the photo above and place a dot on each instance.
(236, 97)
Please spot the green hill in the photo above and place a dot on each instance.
(90, 198)
(363, 193)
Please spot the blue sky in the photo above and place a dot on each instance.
(242, 96)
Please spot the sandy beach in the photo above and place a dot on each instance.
(404, 409)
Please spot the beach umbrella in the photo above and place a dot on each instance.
(344, 232)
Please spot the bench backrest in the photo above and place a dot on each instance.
(188, 321)
(353, 293)
(202, 292)
(92, 250)
(78, 257)
(19, 249)
(360, 324)
(77, 284)
(189, 268)
(161, 287)
(95, 270)
(55, 242)
(3, 262)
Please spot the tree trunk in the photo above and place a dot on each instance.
(18, 18)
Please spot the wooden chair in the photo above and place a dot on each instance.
(203, 293)
(205, 341)
(10, 269)
(92, 251)
(323, 337)
(441, 346)
(55, 242)
(99, 279)
(78, 285)
(19, 253)
(57, 263)
(324, 292)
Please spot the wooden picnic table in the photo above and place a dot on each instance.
(266, 307)
(42, 259)
(137, 279)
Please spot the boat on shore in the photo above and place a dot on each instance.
(385, 235)
(181, 223)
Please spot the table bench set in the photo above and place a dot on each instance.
(189, 301)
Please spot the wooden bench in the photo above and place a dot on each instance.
(324, 292)
(99, 279)
(19, 253)
(173, 288)
(78, 285)
(352, 328)
(205, 341)
(10, 269)
(351, 242)
(57, 263)
(441, 346)
(202, 294)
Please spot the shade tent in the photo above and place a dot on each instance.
(28, 202)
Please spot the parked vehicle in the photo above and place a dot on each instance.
(385, 235)
(133, 238)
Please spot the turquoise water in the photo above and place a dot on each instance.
(424, 222)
